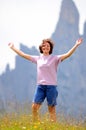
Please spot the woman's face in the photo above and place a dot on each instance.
(46, 48)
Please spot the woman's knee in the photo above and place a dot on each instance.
(51, 109)
(35, 106)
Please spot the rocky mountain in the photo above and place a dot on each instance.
(72, 72)
(18, 85)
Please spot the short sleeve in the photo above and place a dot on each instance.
(58, 58)
(34, 59)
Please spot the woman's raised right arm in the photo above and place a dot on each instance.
(19, 52)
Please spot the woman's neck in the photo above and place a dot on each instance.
(46, 54)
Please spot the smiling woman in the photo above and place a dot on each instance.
(47, 65)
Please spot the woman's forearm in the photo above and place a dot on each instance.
(19, 52)
(72, 50)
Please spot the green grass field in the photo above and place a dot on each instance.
(24, 122)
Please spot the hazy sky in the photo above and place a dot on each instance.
(28, 22)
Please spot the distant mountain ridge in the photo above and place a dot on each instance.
(18, 85)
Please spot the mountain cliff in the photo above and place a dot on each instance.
(72, 82)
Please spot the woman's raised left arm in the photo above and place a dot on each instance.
(72, 50)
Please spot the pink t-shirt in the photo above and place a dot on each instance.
(46, 69)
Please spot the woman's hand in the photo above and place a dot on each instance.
(79, 41)
(11, 45)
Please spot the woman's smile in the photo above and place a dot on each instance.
(46, 48)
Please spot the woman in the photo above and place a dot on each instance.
(47, 65)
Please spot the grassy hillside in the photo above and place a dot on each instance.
(24, 122)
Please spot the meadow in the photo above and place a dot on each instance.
(15, 121)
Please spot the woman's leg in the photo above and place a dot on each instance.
(52, 94)
(39, 97)
(52, 112)
(35, 109)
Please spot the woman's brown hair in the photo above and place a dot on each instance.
(50, 43)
